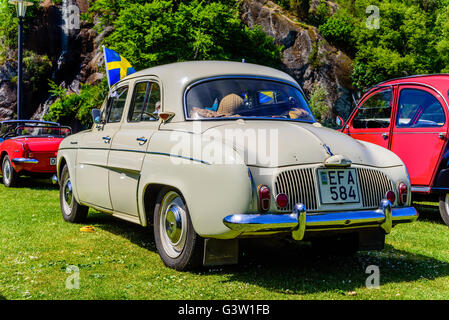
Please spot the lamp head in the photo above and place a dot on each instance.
(21, 6)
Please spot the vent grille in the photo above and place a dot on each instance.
(374, 185)
(299, 186)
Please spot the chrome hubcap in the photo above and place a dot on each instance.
(172, 224)
(67, 196)
(446, 203)
(7, 172)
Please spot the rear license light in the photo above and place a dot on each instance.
(264, 198)
(282, 200)
(391, 196)
(403, 193)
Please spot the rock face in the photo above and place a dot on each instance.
(307, 56)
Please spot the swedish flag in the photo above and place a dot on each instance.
(117, 67)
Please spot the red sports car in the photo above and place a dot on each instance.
(29, 147)
(410, 116)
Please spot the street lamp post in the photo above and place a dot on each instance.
(21, 7)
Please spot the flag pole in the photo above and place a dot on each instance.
(106, 66)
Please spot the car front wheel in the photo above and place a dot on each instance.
(10, 176)
(178, 244)
(444, 208)
(71, 210)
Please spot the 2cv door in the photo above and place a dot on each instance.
(130, 144)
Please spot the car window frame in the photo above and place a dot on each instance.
(364, 99)
(107, 107)
(197, 82)
(133, 96)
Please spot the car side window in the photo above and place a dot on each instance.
(146, 103)
(375, 112)
(419, 109)
(116, 104)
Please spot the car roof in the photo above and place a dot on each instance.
(177, 77)
(193, 70)
(437, 81)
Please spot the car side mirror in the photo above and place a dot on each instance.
(96, 116)
(339, 121)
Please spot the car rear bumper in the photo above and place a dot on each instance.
(299, 223)
(24, 161)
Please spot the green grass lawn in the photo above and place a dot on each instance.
(119, 261)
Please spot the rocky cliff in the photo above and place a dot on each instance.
(76, 55)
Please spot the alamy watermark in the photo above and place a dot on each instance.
(73, 280)
(373, 280)
(373, 20)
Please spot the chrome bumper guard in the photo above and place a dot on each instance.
(25, 160)
(298, 222)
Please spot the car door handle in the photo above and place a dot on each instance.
(442, 135)
(385, 135)
(107, 139)
(142, 141)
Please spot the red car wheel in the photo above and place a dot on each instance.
(10, 176)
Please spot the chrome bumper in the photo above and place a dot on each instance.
(25, 160)
(298, 222)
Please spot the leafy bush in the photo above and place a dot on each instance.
(318, 102)
(160, 32)
(339, 30)
(70, 106)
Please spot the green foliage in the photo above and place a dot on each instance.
(8, 28)
(37, 69)
(412, 38)
(318, 102)
(320, 14)
(339, 29)
(159, 32)
(69, 106)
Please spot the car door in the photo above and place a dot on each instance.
(92, 172)
(371, 120)
(419, 132)
(129, 146)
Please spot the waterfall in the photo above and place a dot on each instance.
(69, 25)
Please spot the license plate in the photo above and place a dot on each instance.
(338, 186)
(52, 161)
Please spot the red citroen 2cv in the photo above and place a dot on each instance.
(410, 117)
(29, 147)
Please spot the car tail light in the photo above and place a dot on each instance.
(282, 200)
(264, 198)
(26, 150)
(403, 192)
(391, 196)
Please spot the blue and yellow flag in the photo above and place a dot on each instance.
(117, 67)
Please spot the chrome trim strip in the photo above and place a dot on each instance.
(299, 223)
(25, 160)
(420, 189)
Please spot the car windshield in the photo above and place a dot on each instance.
(10, 130)
(246, 98)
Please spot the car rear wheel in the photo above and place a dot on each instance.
(71, 210)
(178, 244)
(10, 176)
(444, 208)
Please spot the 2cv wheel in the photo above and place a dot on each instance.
(10, 176)
(444, 208)
(71, 210)
(178, 244)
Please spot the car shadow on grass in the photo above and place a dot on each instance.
(35, 184)
(429, 212)
(289, 267)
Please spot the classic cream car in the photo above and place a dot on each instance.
(210, 152)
